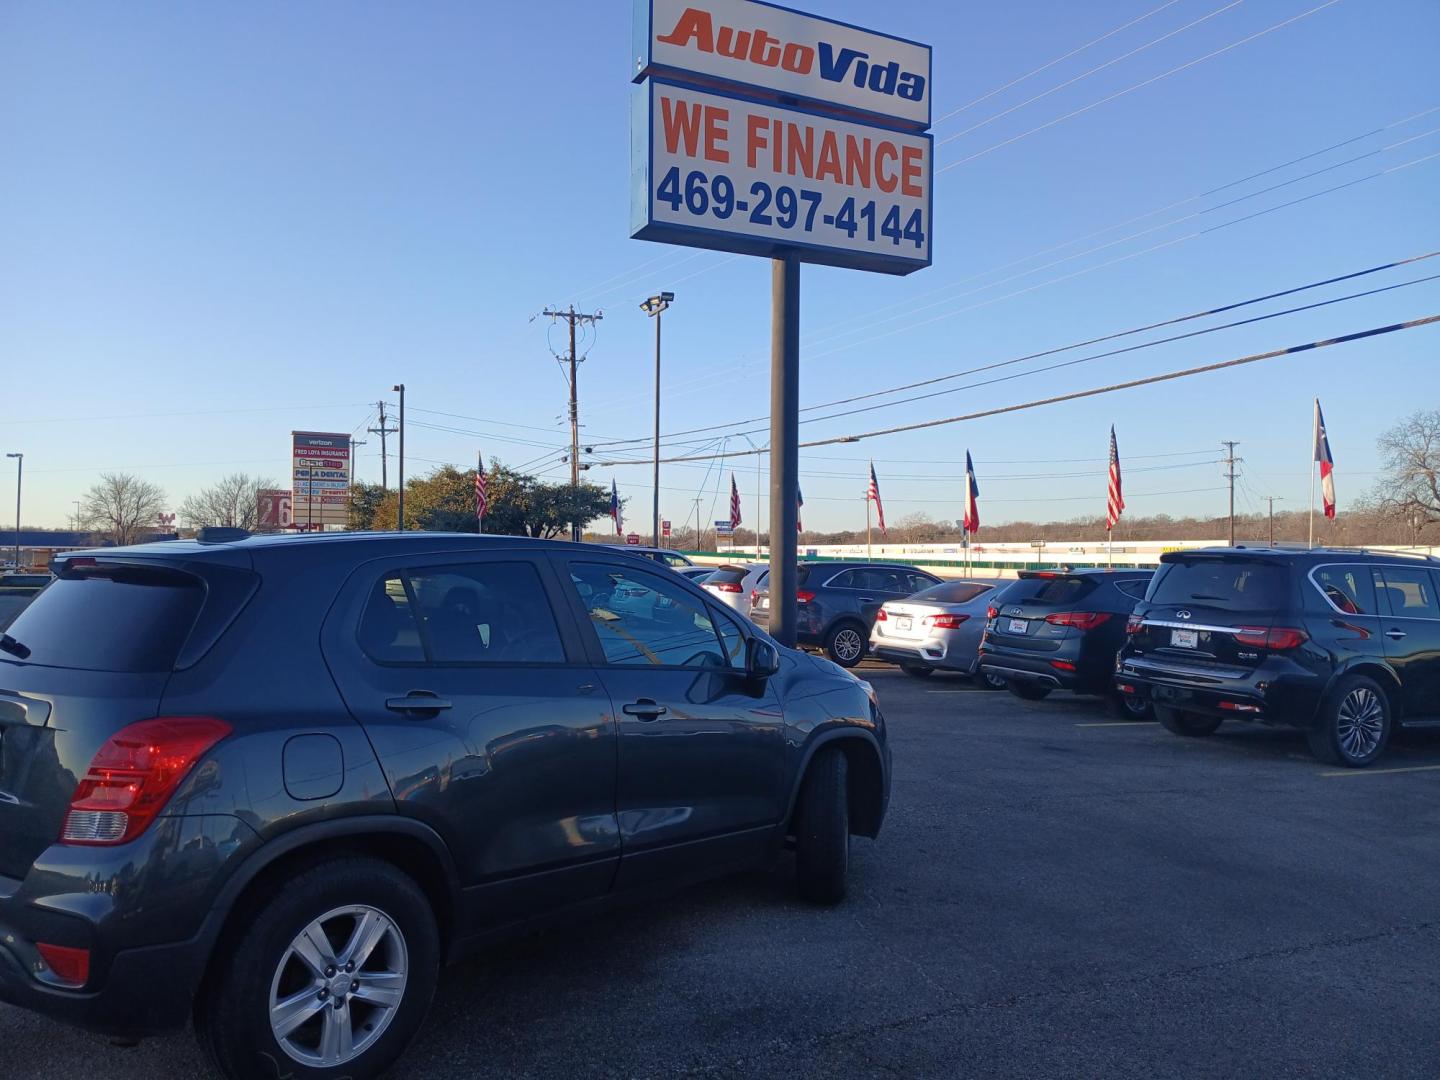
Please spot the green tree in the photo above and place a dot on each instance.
(519, 504)
(365, 503)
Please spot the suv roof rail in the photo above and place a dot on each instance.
(1399, 554)
(220, 534)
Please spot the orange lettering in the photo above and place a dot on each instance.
(857, 161)
(680, 122)
(884, 150)
(716, 134)
(757, 130)
(829, 166)
(799, 145)
(910, 159)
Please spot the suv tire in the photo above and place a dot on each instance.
(990, 681)
(320, 913)
(845, 643)
(917, 671)
(1179, 722)
(1028, 689)
(822, 828)
(1130, 707)
(1353, 723)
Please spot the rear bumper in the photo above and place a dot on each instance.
(931, 654)
(1037, 667)
(146, 991)
(1277, 692)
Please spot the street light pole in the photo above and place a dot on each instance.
(19, 481)
(400, 510)
(655, 307)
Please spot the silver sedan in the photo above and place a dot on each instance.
(937, 629)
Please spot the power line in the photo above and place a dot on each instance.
(1094, 392)
(1046, 66)
(1094, 70)
(1131, 89)
(1233, 306)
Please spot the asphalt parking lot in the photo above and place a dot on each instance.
(1055, 893)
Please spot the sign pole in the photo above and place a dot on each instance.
(784, 444)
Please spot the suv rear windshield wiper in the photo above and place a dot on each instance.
(13, 647)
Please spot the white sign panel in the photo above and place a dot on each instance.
(828, 64)
(320, 478)
(725, 172)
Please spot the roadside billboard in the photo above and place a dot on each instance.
(320, 479)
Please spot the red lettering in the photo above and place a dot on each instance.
(757, 130)
(799, 144)
(910, 162)
(692, 25)
(857, 161)
(798, 58)
(884, 150)
(716, 134)
(680, 122)
(765, 50)
(829, 167)
(733, 43)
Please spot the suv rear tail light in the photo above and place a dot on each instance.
(1081, 620)
(1278, 638)
(880, 616)
(991, 611)
(70, 966)
(945, 622)
(727, 586)
(804, 596)
(133, 775)
(1134, 624)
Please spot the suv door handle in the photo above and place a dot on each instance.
(645, 709)
(1395, 635)
(867, 599)
(417, 701)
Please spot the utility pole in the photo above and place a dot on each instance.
(699, 545)
(19, 482)
(383, 431)
(573, 317)
(1230, 474)
(1271, 500)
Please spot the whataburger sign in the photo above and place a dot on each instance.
(761, 130)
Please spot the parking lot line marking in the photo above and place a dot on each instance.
(1119, 723)
(1381, 772)
(954, 691)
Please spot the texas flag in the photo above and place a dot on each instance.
(615, 506)
(972, 498)
(1325, 461)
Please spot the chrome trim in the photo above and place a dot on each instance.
(1190, 626)
(1310, 576)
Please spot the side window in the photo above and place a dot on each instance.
(850, 579)
(1411, 593)
(642, 618)
(915, 582)
(674, 560)
(1133, 589)
(389, 632)
(1349, 588)
(480, 613)
(731, 639)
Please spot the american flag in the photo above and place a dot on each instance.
(874, 496)
(482, 499)
(799, 510)
(1115, 502)
(734, 503)
(972, 498)
(615, 505)
(1327, 463)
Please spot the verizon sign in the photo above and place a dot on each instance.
(320, 479)
(802, 58)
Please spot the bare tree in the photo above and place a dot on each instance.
(233, 502)
(121, 507)
(1409, 488)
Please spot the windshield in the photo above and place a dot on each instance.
(1236, 584)
(952, 592)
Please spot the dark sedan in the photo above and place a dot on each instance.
(838, 601)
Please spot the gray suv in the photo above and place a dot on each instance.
(269, 785)
(837, 603)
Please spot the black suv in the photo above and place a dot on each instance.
(1061, 629)
(837, 603)
(1340, 643)
(273, 783)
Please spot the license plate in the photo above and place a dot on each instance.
(902, 624)
(762, 604)
(1185, 639)
(1018, 626)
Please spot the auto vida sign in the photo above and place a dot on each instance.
(760, 130)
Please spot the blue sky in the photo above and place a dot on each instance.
(222, 223)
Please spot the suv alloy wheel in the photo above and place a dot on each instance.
(846, 644)
(1353, 723)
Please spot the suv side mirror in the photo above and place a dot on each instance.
(762, 659)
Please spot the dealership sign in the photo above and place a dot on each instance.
(320, 478)
(813, 61)
(762, 131)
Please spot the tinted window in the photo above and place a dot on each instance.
(731, 638)
(480, 613)
(671, 559)
(952, 592)
(1410, 593)
(849, 579)
(1349, 588)
(642, 618)
(1223, 583)
(121, 620)
(1134, 589)
(729, 575)
(1064, 589)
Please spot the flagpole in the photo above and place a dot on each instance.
(1314, 433)
(869, 556)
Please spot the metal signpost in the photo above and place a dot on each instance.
(770, 132)
(320, 479)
